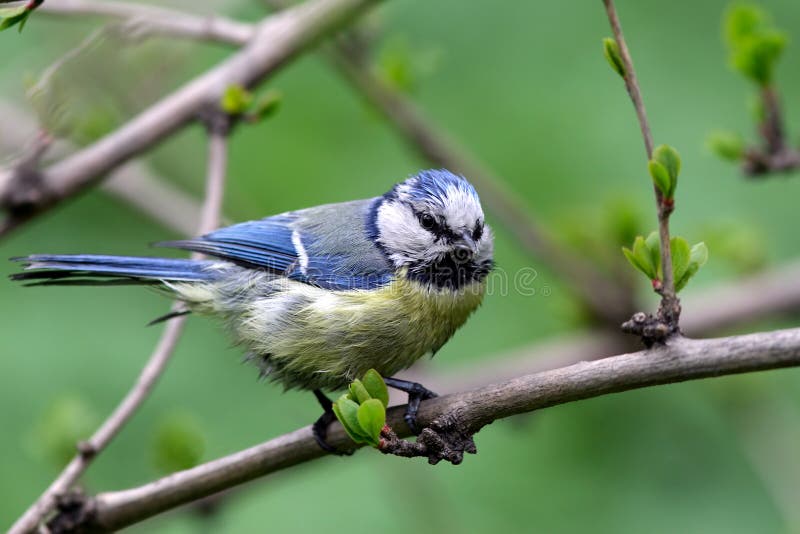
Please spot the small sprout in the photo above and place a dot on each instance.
(241, 103)
(646, 257)
(613, 56)
(664, 169)
(755, 45)
(727, 145)
(179, 443)
(18, 15)
(236, 100)
(267, 104)
(362, 411)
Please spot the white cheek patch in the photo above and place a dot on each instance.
(402, 236)
(461, 209)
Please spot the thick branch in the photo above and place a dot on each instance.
(277, 40)
(153, 369)
(679, 360)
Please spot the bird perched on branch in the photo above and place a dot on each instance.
(321, 295)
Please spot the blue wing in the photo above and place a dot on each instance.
(326, 246)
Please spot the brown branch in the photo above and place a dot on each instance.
(679, 360)
(277, 40)
(670, 309)
(153, 369)
(776, 155)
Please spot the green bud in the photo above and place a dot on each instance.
(727, 145)
(613, 56)
(236, 100)
(668, 158)
(660, 176)
(267, 104)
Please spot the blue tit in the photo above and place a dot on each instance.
(320, 295)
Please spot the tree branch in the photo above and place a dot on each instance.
(153, 369)
(277, 40)
(679, 360)
(670, 309)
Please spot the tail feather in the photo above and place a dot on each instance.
(89, 269)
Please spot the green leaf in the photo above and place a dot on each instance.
(346, 412)
(613, 56)
(699, 254)
(236, 100)
(660, 176)
(267, 104)
(726, 145)
(671, 160)
(679, 249)
(11, 16)
(641, 258)
(697, 258)
(653, 243)
(376, 386)
(358, 392)
(372, 418)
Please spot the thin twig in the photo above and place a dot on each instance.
(670, 309)
(679, 360)
(277, 40)
(153, 369)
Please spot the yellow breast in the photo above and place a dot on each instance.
(316, 338)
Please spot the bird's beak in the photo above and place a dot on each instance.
(465, 248)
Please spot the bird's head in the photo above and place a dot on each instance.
(432, 224)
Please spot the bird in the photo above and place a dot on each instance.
(318, 296)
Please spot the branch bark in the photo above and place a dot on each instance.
(277, 40)
(153, 369)
(679, 360)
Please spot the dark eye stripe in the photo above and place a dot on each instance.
(477, 233)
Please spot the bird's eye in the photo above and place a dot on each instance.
(427, 221)
(477, 232)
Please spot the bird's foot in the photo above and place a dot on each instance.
(320, 426)
(416, 394)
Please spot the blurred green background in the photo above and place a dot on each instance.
(524, 86)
